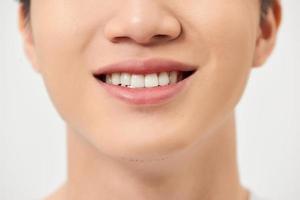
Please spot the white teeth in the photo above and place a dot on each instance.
(115, 78)
(163, 78)
(125, 79)
(108, 79)
(137, 81)
(151, 80)
(173, 77)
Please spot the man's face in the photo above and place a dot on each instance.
(217, 36)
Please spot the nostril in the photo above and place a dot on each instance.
(161, 36)
(119, 39)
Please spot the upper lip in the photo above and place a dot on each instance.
(146, 66)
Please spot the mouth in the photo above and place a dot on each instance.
(152, 81)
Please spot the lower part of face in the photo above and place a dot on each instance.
(216, 36)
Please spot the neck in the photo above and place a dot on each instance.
(207, 171)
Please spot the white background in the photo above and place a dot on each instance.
(32, 135)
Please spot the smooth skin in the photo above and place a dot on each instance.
(182, 150)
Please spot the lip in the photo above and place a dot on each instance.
(136, 66)
(145, 96)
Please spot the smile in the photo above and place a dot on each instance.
(126, 79)
(148, 82)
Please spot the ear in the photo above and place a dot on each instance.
(27, 37)
(267, 34)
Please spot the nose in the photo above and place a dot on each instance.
(144, 22)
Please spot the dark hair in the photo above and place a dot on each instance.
(26, 8)
(265, 4)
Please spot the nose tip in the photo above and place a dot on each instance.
(143, 27)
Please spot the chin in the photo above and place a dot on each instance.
(146, 146)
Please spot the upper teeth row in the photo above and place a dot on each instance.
(140, 80)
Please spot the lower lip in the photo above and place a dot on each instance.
(145, 96)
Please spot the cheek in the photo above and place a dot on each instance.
(219, 84)
(59, 43)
